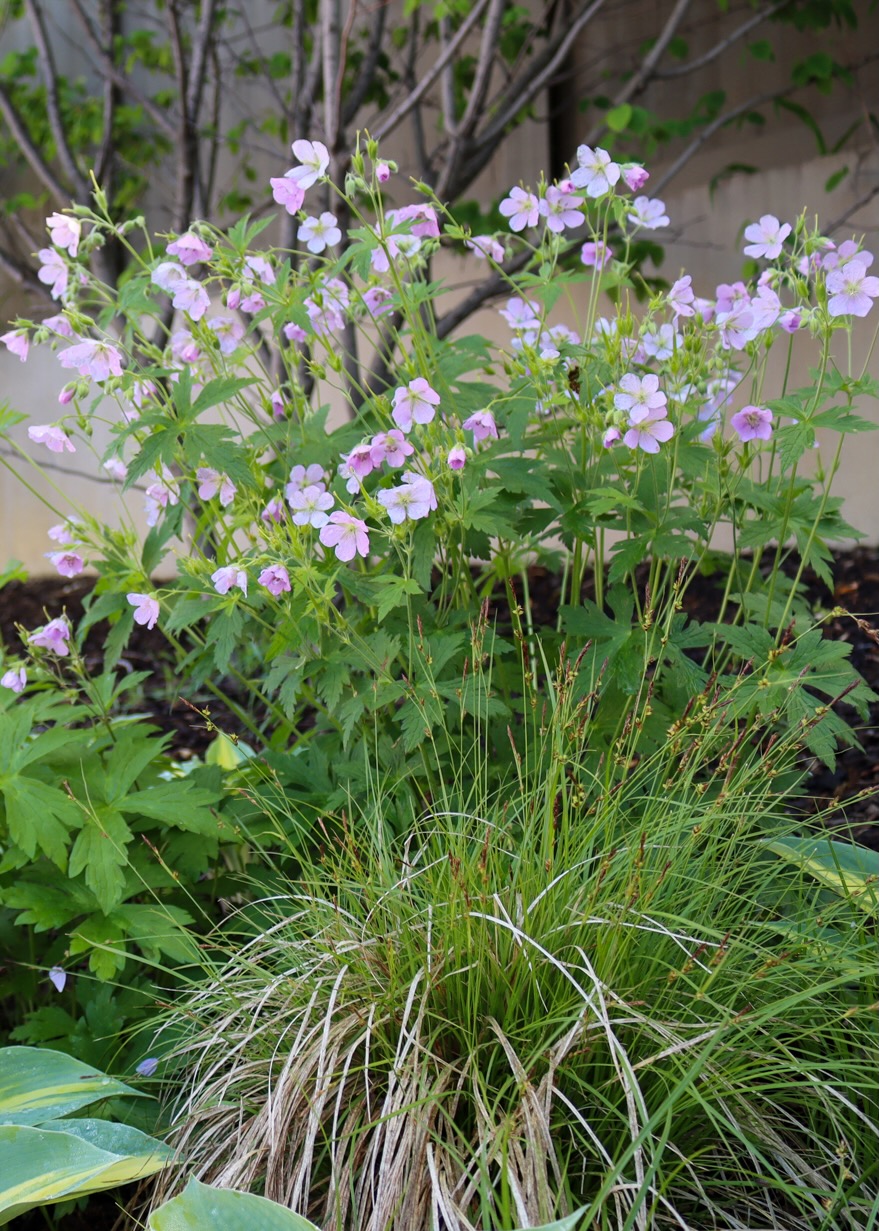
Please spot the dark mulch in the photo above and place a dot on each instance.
(168, 701)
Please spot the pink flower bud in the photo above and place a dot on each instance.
(457, 458)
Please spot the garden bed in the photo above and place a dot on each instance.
(852, 789)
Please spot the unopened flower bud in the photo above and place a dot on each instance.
(457, 458)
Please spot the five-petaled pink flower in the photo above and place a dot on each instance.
(766, 237)
(597, 172)
(319, 233)
(53, 271)
(146, 609)
(852, 290)
(752, 423)
(595, 253)
(68, 563)
(53, 636)
(276, 579)
(410, 501)
(390, 448)
(99, 360)
(522, 208)
(484, 246)
(639, 396)
(560, 210)
(649, 431)
(481, 423)
(64, 232)
(315, 159)
(414, 403)
(346, 534)
(648, 213)
(17, 343)
(190, 249)
(211, 481)
(681, 297)
(53, 437)
(310, 506)
(15, 679)
(287, 192)
(229, 576)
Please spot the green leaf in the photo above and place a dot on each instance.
(37, 1085)
(391, 592)
(215, 392)
(101, 850)
(44, 1165)
(847, 869)
(202, 1208)
(39, 816)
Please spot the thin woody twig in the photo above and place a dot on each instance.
(53, 108)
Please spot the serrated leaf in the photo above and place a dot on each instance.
(101, 851)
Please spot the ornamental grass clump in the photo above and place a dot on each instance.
(619, 990)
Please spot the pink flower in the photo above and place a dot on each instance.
(848, 250)
(184, 348)
(359, 460)
(752, 423)
(649, 431)
(68, 563)
(409, 501)
(681, 297)
(159, 495)
(276, 579)
(226, 578)
(595, 253)
(425, 224)
(52, 436)
(737, 327)
(457, 458)
(190, 249)
(382, 172)
(519, 314)
(378, 301)
(522, 208)
(287, 192)
(851, 290)
(17, 343)
(416, 403)
(596, 172)
(229, 331)
(640, 396)
(62, 533)
(64, 232)
(146, 609)
(54, 636)
(766, 237)
(211, 482)
(610, 437)
(391, 448)
(560, 210)
(53, 271)
(635, 177)
(59, 324)
(278, 405)
(315, 159)
(304, 476)
(260, 268)
(116, 469)
(791, 321)
(274, 511)
(319, 233)
(294, 333)
(192, 298)
(484, 246)
(99, 360)
(346, 534)
(310, 506)
(15, 679)
(649, 214)
(405, 246)
(481, 423)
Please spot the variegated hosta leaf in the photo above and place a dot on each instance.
(72, 1158)
(202, 1208)
(37, 1085)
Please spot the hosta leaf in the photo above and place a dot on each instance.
(202, 1208)
(847, 869)
(37, 1085)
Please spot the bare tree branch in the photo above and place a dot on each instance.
(863, 200)
(104, 161)
(198, 64)
(683, 70)
(331, 29)
(106, 66)
(639, 80)
(33, 157)
(366, 73)
(53, 110)
(390, 123)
